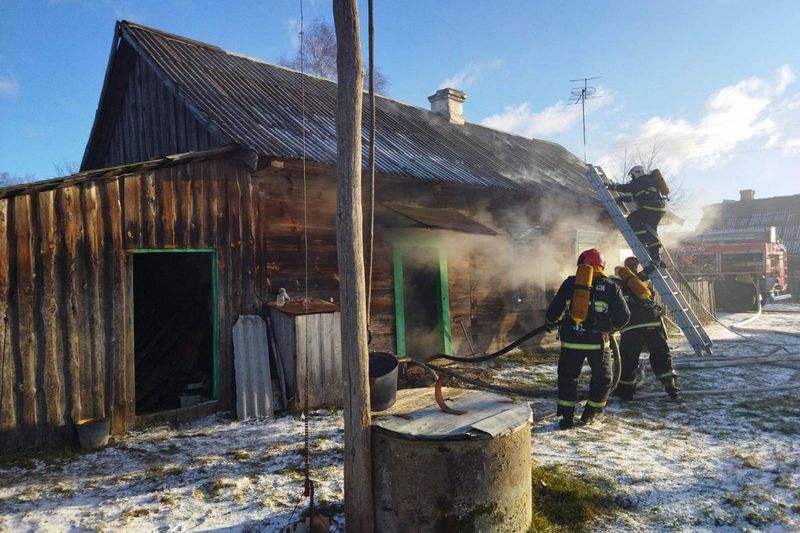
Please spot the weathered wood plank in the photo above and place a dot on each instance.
(166, 209)
(8, 377)
(132, 211)
(149, 217)
(51, 347)
(120, 397)
(75, 333)
(26, 336)
(95, 292)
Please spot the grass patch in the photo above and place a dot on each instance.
(565, 502)
(135, 513)
(240, 455)
(735, 500)
(169, 499)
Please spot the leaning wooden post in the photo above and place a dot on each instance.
(349, 242)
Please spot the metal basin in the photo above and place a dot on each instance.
(382, 380)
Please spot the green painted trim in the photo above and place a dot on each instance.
(171, 250)
(444, 302)
(399, 301)
(214, 303)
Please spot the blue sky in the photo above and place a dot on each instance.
(710, 85)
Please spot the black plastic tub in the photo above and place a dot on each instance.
(382, 380)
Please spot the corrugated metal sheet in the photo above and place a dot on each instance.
(251, 361)
(783, 212)
(448, 219)
(258, 105)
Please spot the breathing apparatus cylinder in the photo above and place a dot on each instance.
(637, 286)
(581, 293)
(661, 184)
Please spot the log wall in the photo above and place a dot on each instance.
(66, 278)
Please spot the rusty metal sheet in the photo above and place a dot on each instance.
(251, 362)
(447, 219)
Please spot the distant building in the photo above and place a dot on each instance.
(751, 214)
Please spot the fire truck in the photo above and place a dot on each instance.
(748, 266)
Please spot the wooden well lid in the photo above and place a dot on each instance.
(416, 416)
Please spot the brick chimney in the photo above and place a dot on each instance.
(449, 103)
(747, 195)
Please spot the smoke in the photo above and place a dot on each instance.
(536, 248)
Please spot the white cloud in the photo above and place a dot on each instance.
(561, 116)
(749, 110)
(8, 86)
(470, 74)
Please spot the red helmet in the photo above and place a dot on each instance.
(592, 257)
(632, 263)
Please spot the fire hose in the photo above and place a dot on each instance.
(519, 391)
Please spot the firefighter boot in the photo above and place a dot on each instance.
(624, 392)
(589, 414)
(671, 387)
(567, 415)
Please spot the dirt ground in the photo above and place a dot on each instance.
(728, 462)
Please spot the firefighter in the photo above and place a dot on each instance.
(588, 307)
(648, 190)
(646, 328)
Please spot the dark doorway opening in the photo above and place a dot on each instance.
(422, 304)
(173, 300)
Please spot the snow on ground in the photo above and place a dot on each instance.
(729, 462)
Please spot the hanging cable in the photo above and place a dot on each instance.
(372, 132)
(308, 489)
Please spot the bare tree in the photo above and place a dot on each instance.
(319, 51)
(7, 179)
(650, 157)
(66, 168)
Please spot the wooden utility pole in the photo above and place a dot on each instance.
(350, 244)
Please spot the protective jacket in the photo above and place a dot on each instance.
(644, 192)
(644, 313)
(607, 311)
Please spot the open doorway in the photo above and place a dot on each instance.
(174, 325)
(421, 298)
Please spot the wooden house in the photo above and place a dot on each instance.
(205, 174)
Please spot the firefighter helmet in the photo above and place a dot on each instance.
(637, 172)
(632, 263)
(592, 257)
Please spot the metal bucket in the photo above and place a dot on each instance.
(93, 432)
(382, 380)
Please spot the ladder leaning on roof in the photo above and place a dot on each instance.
(662, 280)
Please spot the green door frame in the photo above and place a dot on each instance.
(442, 303)
(214, 303)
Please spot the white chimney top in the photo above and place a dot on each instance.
(746, 195)
(449, 103)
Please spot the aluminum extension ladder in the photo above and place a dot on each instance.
(661, 278)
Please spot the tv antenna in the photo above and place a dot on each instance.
(579, 95)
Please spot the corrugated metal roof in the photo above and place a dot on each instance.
(259, 106)
(783, 212)
(112, 172)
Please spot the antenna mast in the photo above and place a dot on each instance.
(580, 95)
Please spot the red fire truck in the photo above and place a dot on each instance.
(744, 264)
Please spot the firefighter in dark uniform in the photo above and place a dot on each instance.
(648, 191)
(646, 328)
(588, 307)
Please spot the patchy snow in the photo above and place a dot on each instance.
(730, 462)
